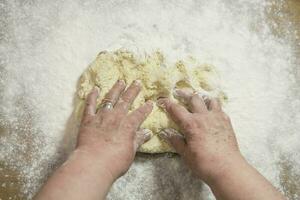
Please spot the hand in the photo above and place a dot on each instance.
(108, 140)
(208, 143)
(111, 136)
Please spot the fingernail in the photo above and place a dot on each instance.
(96, 89)
(204, 96)
(121, 82)
(137, 82)
(162, 134)
(199, 94)
(171, 132)
(161, 103)
(147, 134)
(179, 94)
(175, 93)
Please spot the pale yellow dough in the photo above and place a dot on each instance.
(158, 80)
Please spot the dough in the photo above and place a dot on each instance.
(158, 80)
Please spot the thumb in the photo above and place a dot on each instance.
(141, 136)
(174, 138)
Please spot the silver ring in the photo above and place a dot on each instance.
(107, 105)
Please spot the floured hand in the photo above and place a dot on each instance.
(110, 134)
(209, 140)
(210, 149)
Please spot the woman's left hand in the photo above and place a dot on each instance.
(110, 135)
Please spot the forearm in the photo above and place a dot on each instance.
(239, 180)
(80, 177)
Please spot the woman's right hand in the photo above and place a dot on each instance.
(210, 149)
(208, 144)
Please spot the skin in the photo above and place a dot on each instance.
(209, 147)
(108, 140)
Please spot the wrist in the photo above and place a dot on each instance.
(98, 165)
(79, 173)
(101, 159)
(226, 167)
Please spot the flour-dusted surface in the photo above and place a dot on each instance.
(46, 45)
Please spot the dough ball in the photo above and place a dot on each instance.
(158, 78)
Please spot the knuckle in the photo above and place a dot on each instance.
(86, 113)
(128, 125)
(135, 87)
(125, 99)
(172, 107)
(190, 125)
(122, 105)
(89, 96)
(86, 120)
(140, 112)
(110, 120)
(88, 103)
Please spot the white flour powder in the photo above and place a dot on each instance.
(46, 45)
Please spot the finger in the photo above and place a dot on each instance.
(91, 102)
(141, 136)
(215, 104)
(183, 95)
(195, 102)
(138, 116)
(128, 96)
(174, 138)
(177, 112)
(113, 94)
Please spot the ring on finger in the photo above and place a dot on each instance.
(107, 105)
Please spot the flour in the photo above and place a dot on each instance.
(45, 47)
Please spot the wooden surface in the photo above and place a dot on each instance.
(10, 183)
(288, 179)
(294, 14)
(291, 13)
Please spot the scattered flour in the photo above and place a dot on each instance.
(46, 45)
